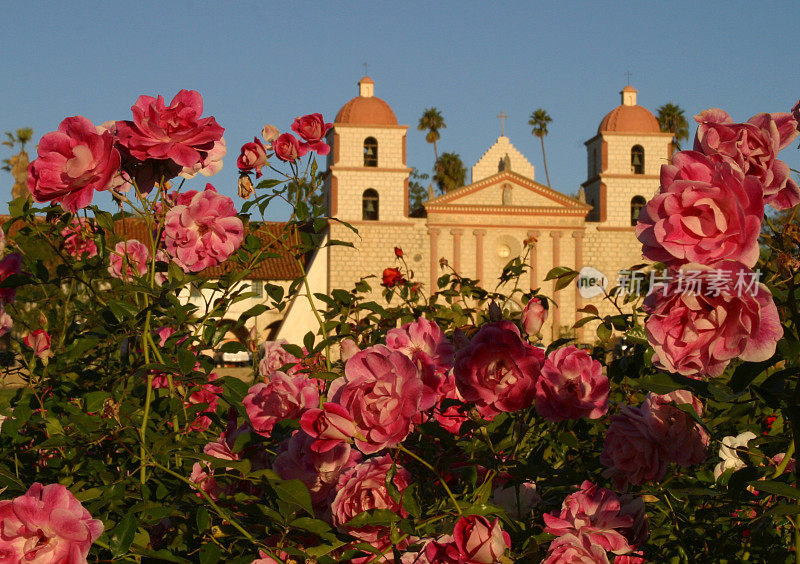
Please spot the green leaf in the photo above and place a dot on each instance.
(209, 553)
(558, 272)
(373, 517)
(93, 401)
(637, 335)
(268, 183)
(122, 535)
(295, 493)
(202, 518)
(777, 488)
(312, 525)
(783, 509)
(746, 372)
(565, 280)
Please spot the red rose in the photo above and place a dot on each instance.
(253, 156)
(288, 148)
(398, 252)
(312, 128)
(392, 277)
(497, 371)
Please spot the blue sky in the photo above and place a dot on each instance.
(267, 62)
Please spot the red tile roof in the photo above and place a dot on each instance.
(282, 267)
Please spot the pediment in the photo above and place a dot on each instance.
(506, 190)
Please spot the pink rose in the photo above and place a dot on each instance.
(319, 471)
(363, 487)
(203, 477)
(330, 426)
(312, 128)
(39, 341)
(283, 397)
(253, 156)
(276, 358)
(533, 316)
(753, 148)
(73, 162)
(207, 394)
(175, 132)
(630, 451)
(685, 442)
(210, 165)
(8, 266)
(497, 370)
(594, 512)
(128, 259)
(705, 212)
(479, 541)
(571, 385)
(349, 348)
(204, 232)
(46, 524)
(572, 549)
(288, 148)
(450, 418)
(426, 344)
(79, 239)
(706, 317)
(382, 390)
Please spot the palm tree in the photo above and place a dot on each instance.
(432, 121)
(450, 172)
(672, 120)
(17, 164)
(539, 120)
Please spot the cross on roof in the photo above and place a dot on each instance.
(502, 115)
(365, 69)
(628, 75)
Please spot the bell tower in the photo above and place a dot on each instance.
(368, 180)
(624, 162)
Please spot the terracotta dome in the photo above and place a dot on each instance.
(366, 109)
(629, 117)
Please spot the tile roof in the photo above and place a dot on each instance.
(282, 267)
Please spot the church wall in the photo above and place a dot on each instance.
(374, 252)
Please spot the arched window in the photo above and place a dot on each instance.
(637, 159)
(370, 151)
(637, 203)
(369, 205)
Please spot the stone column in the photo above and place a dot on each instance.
(578, 236)
(554, 311)
(534, 258)
(433, 235)
(479, 233)
(456, 233)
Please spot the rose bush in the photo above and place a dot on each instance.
(429, 426)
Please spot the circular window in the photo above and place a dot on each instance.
(417, 257)
(503, 250)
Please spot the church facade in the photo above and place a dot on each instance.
(479, 227)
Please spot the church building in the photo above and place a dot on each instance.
(479, 227)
